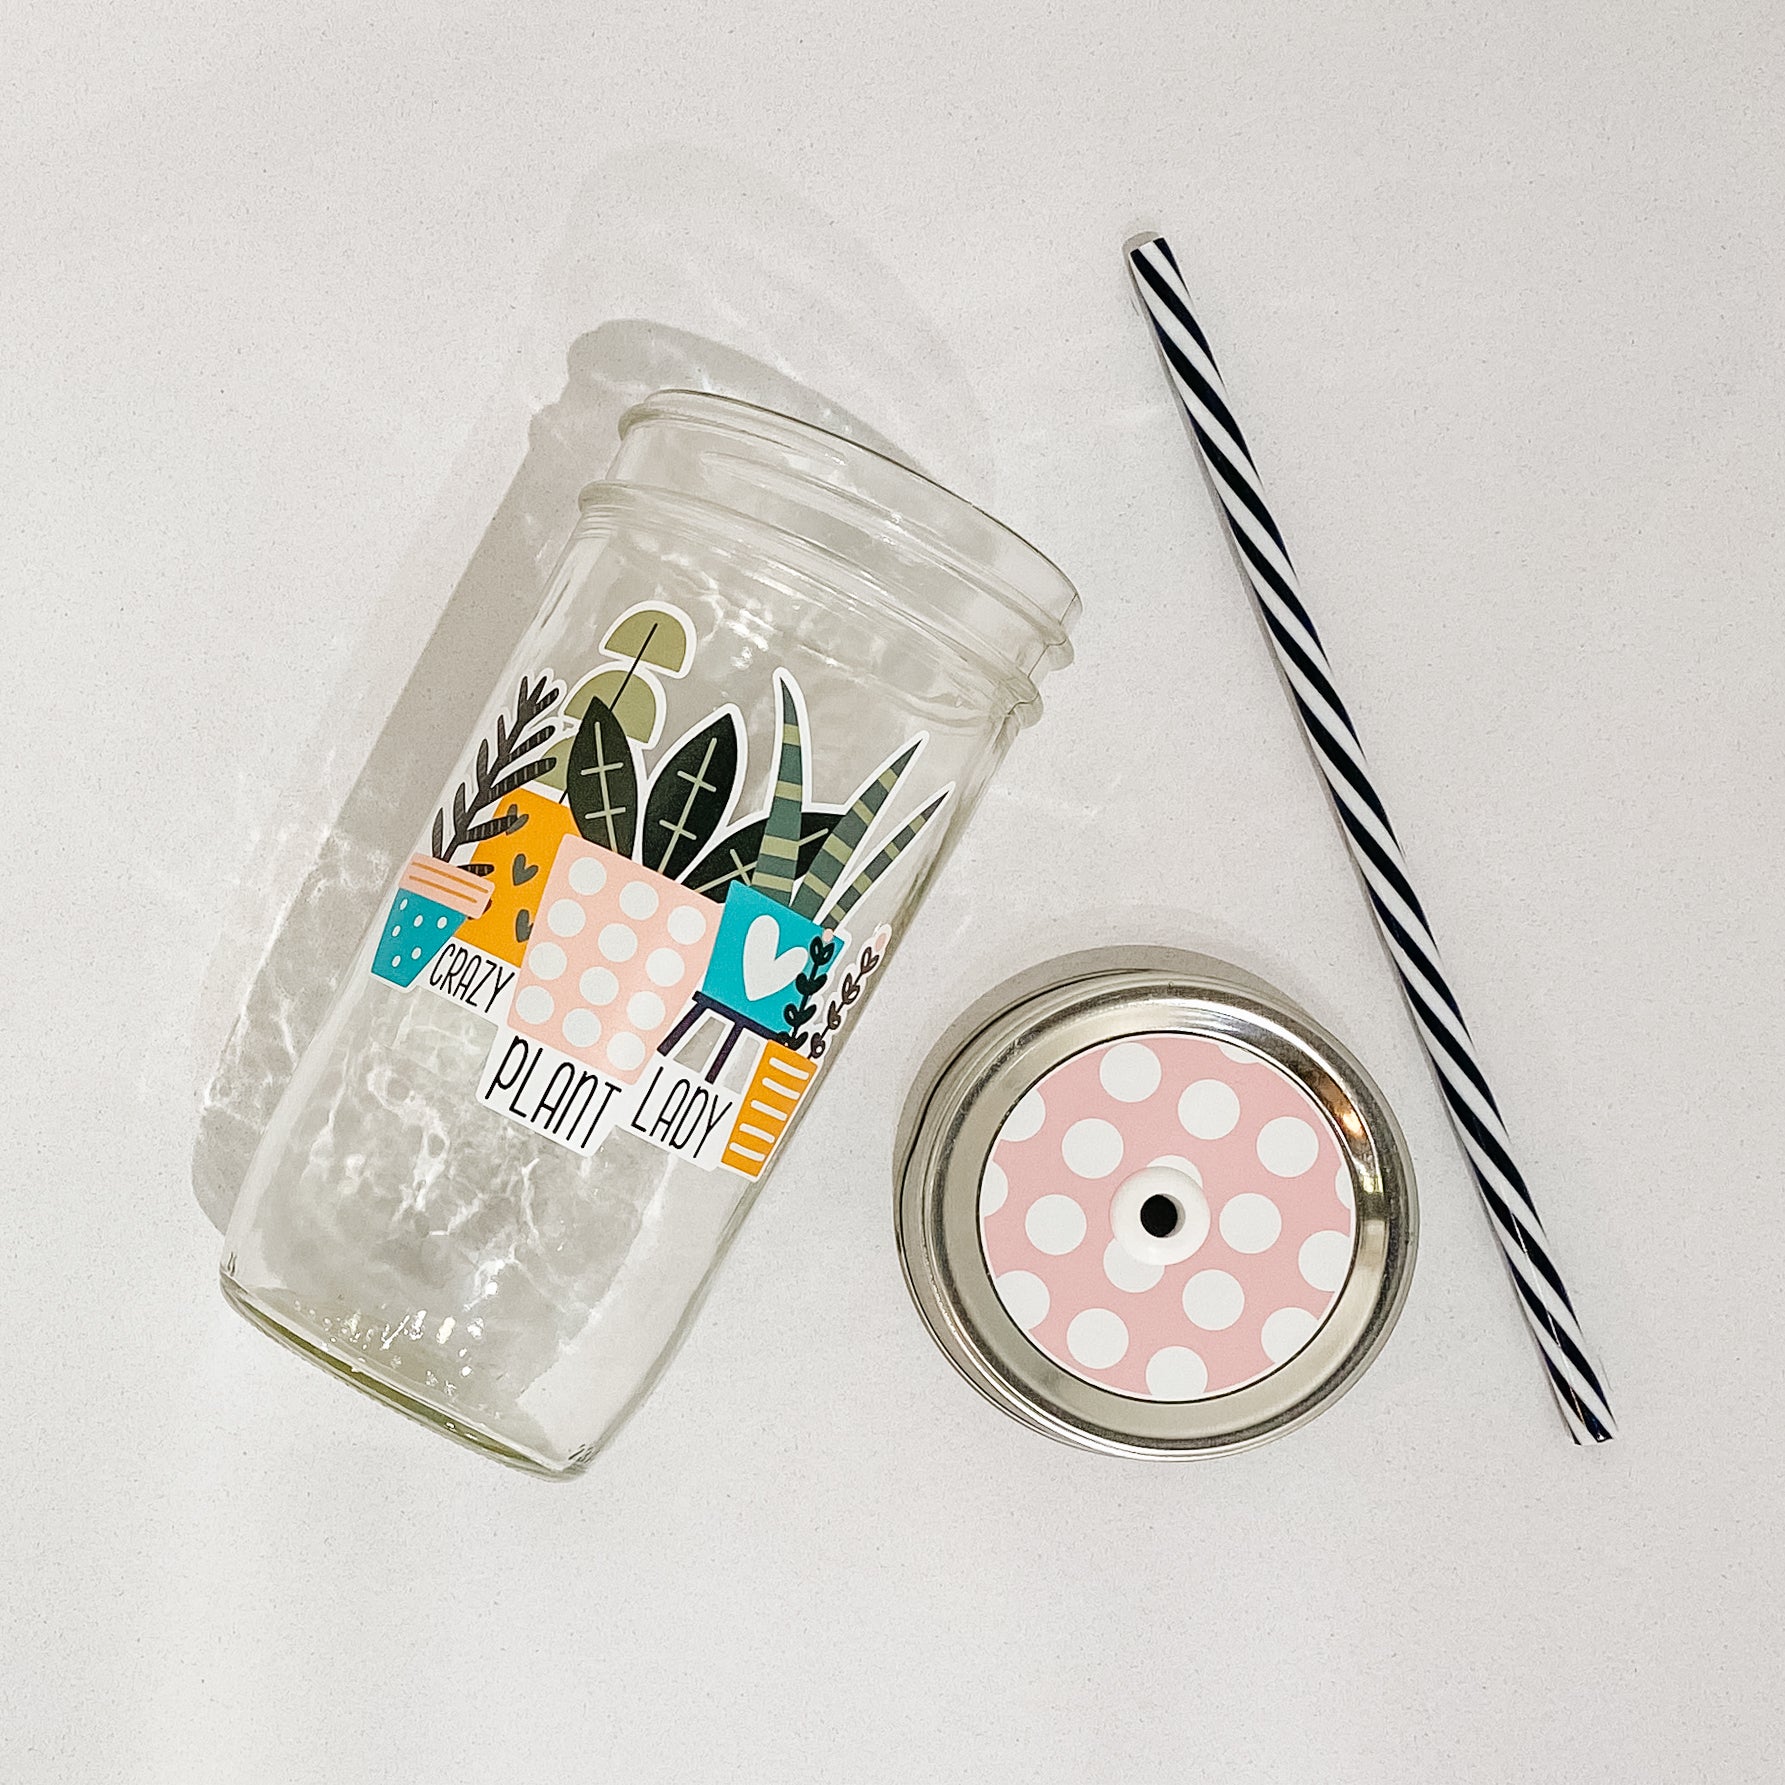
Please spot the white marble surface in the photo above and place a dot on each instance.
(1499, 298)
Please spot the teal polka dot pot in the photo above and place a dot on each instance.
(418, 930)
(421, 920)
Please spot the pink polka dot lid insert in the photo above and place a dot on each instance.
(1148, 1206)
(1168, 1216)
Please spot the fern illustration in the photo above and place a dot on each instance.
(513, 761)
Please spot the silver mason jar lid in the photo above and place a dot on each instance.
(979, 1088)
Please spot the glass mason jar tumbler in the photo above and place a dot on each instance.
(770, 679)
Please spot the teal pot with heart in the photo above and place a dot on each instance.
(771, 677)
(769, 964)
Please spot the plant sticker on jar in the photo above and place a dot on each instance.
(650, 964)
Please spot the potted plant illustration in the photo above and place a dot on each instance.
(627, 952)
(781, 927)
(437, 896)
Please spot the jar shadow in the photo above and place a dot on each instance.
(386, 807)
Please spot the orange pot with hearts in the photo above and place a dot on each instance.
(519, 862)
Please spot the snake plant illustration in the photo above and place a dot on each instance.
(809, 885)
(793, 902)
(733, 858)
(795, 854)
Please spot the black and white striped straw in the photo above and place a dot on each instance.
(1374, 847)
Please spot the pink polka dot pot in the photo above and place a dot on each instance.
(612, 958)
(1148, 1206)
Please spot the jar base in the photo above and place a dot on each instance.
(354, 1369)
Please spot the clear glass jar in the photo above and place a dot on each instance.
(688, 829)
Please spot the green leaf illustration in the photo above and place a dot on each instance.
(895, 847)
(631, 697)
(692, 793)
(734, 855)
(602, 780)
(657, 635)
(818, 880)
(777, 861)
